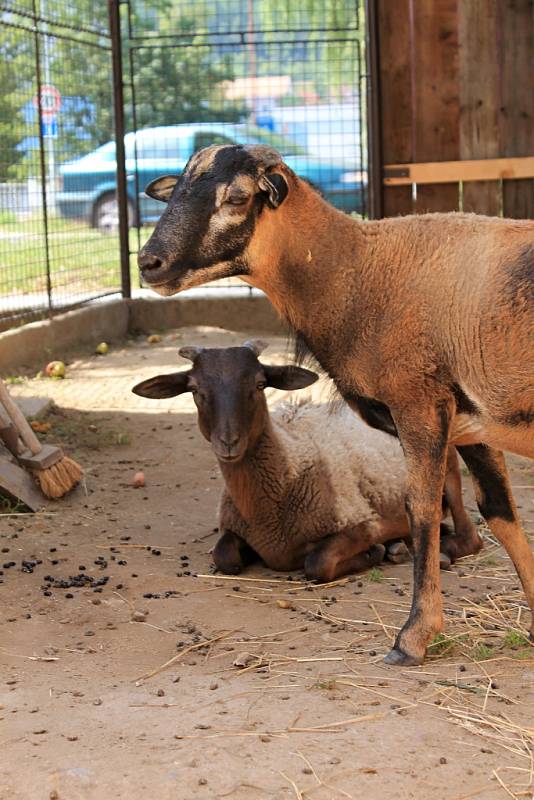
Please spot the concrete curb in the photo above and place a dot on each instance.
(239, 311)
(32, 345)
(38, 342)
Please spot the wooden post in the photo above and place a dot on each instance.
(517, 117)
(396, 98)
(479, 98)
(436, 95)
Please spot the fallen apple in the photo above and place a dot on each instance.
(56, 369)
(102, 348)
(138, 480)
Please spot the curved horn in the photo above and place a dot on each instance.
(190, 352)
(256, 345)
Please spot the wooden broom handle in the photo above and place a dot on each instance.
(27, 435)
(5, 419)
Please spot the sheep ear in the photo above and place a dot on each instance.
(276, 188)
(161, 188)
(190, 352)
(161, 386)
(256, 345)
(289, 378)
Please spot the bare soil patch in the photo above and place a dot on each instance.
(276, 688)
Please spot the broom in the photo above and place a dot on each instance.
(57, 474)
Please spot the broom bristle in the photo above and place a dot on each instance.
(60, 478)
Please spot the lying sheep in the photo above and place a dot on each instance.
(293, 478)
(425, 324)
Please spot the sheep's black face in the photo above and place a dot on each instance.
(227, 386)
(210, 217)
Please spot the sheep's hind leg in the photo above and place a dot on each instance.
(465, 541)
(341, 554)
(232, 554)
(497, 506)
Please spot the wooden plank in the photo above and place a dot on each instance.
(455, 171)
(395, 96)
(17, 485)
(435, 81)
(479, 98)
(516, 21)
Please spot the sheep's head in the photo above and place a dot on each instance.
(228, 385)
(212, 210)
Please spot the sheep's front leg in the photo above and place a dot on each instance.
(342, 554)
(232, 554)
(497, 506)
(423, 433)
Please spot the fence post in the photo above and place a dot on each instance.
(374, 121)
(118, 115)
(42, 161)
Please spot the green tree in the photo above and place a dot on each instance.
(16, 69)
(11, 124)
(181, 84)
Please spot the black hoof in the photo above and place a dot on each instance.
(398, 658)
(398, 553)
(444, 561)
(375, 554)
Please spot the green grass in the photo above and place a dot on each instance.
(488, 561)
(326, 685)
(515, 639)
(440, 645)
(81, 258)
(375, 575)
(482, 652)
(8, 506)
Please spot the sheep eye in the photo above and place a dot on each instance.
(237, 200)
(261, 385)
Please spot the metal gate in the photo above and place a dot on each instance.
(55, 107)
(281, 72)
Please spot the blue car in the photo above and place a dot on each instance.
(89, 183)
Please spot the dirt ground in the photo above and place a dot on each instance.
(275, 689)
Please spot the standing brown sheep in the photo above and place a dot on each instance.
(426, 325)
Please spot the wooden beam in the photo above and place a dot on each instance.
(436, 95)
(483, 169)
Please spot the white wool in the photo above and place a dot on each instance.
(366, 467)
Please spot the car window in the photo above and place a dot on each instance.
(105, 153)
(169, 146)
(205, 138)
(286, 147)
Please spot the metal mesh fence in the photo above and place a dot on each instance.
(55, 107)
(281, 72)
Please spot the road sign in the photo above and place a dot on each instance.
(49, 127)
(50, 100)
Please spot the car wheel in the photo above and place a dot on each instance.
(106, 214)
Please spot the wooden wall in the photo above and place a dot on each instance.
(456, 84)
